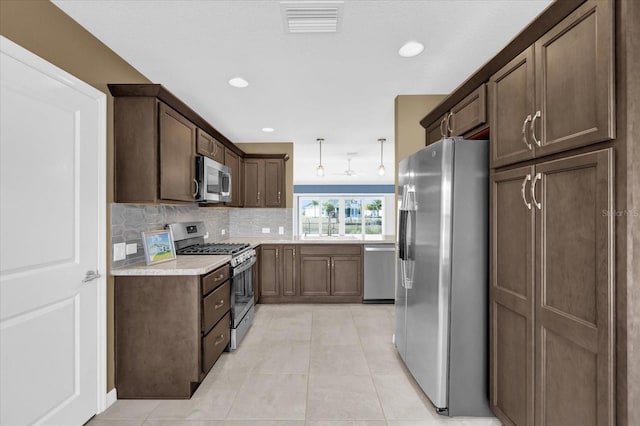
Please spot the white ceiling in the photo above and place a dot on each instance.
(338, 86)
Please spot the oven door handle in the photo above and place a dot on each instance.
(243, 266)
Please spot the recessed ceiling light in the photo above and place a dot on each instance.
(238, 82)
(268, 129)
(411, 48)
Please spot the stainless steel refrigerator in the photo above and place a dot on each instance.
(442, 274)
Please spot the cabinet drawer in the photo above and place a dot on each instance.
(214, 343)
(469, 113)
(214, 279)
(214, 306)
(330, 249)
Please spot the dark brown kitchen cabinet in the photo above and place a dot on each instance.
(315, 275)
(169, 331)
(511, 295)
(253, 182)
(552, 291)
(308, 273)
(264, 182)
(274, 183)
(331, 270)
(346, 276)
(177, 158)
(232, 160)
(468, 115)
(559, 93)
(207, 145)
(278, 276)
(154, 152)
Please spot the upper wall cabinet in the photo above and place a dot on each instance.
(264, 182)
(232, 160)
(154, 152)
(464, 119)
(208, 146)
(559, 93)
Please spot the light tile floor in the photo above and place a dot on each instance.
(313, 365)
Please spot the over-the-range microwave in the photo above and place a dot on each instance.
(213, 181)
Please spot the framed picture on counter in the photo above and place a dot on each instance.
(158, 246)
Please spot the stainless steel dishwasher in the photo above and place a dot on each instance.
(379, 273)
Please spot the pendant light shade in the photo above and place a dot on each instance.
(320, 169)
(381, 170)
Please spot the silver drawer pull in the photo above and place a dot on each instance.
(219, 277)
(533, 127)
(524, 197)
(219, 340)
(524, 132)
(219, 305)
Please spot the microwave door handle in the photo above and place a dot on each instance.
(195, 194)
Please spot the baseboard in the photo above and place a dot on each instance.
(112, 396)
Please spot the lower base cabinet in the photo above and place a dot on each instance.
(169, 332)
(311, 273)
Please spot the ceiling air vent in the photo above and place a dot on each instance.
(312, 16)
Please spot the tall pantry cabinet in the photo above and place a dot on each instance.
(552, 229)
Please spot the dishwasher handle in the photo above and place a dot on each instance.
(380, 249)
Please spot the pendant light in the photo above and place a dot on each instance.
(381, 170)
(320, 169)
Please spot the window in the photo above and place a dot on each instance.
(334, 216)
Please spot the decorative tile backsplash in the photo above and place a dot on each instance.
(129, 220)
(251, 222)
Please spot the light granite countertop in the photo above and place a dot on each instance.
(256, 241)
(183, 265)
(200, 265)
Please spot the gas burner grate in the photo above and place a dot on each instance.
(214, 248)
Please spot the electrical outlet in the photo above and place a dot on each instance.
(223, 232)
(132, 248)
(281, 230)
(206, 235)
(119, 251)
(266, 230)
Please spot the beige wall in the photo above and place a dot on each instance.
(275, 148)
(42, 28)
(409, 110)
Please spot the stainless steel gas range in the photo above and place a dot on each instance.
(189, 240)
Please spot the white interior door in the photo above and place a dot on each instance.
(52, 207)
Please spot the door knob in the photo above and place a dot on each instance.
(90, 276)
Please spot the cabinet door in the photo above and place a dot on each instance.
(219, 151)
(177, 156)
(270, 270)
(289, 270)
(232, 160)
(575, 80)
(274, 183)
(204, 144)
(253, 183)
(346, 276)
(469, 113)
(511, 297)
(574, 281)
(513, 106)
(315, 275)
(435, 130)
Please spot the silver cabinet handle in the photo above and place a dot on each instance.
(533, 191)
(219, 340)
(215, 148)
(441, 124)
(258, 196)
(524, 132)
(533, 127)
(522, 190)
(278, 196)
(449, 129)
(195, 194)
(90, 276)
(219, 305)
